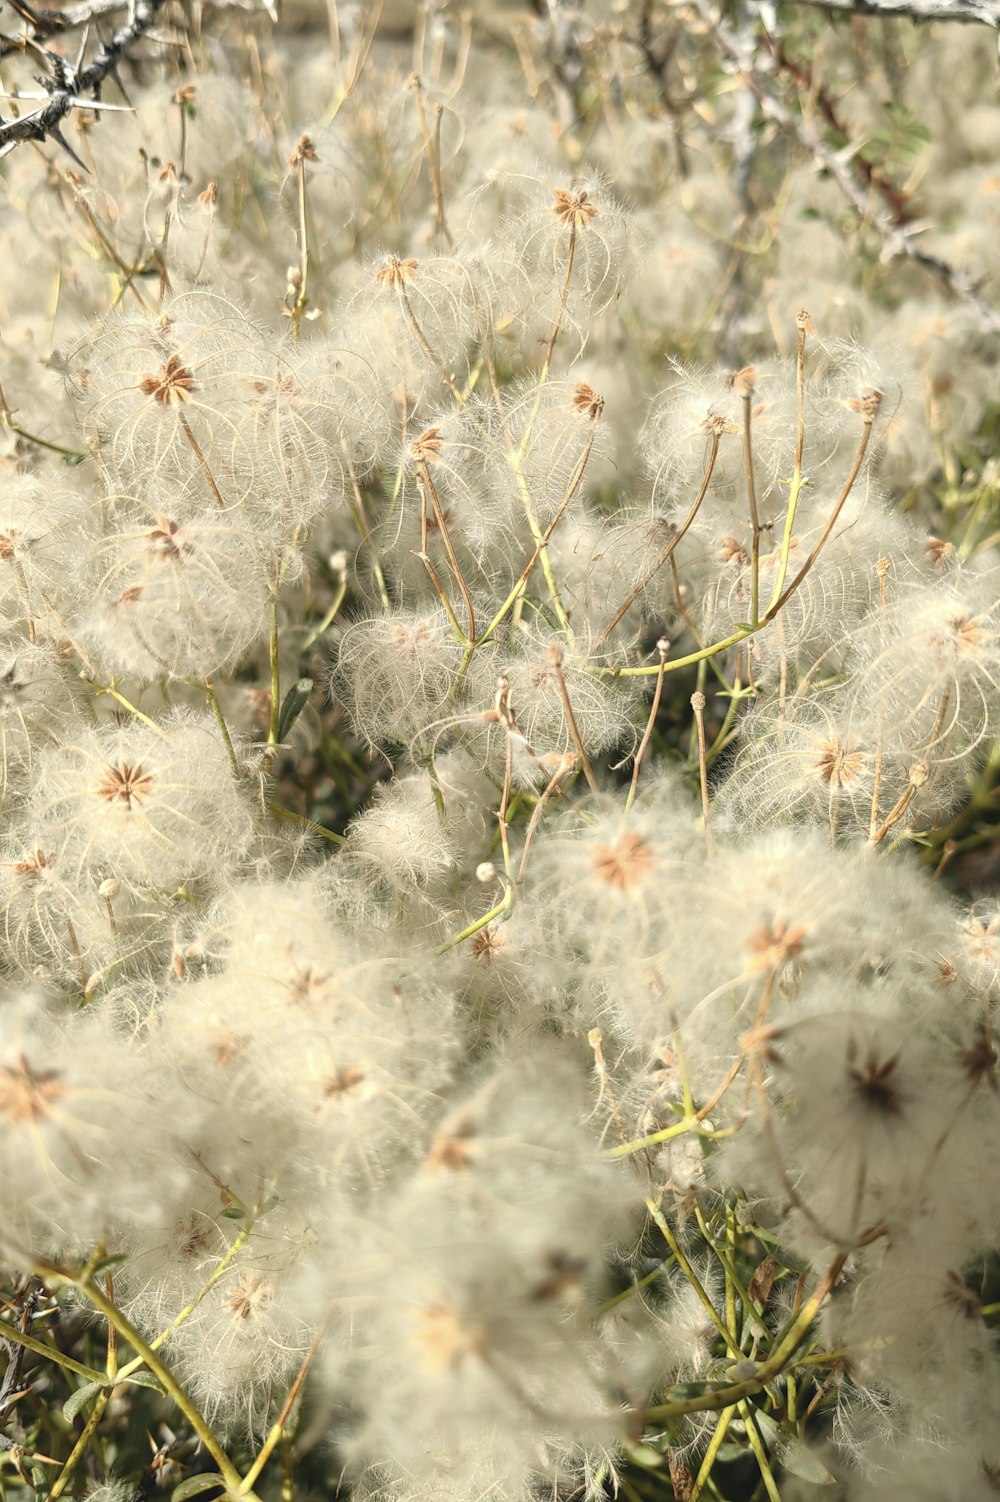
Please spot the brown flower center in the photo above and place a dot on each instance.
(624, 864)
(574, 208)
(126, 784)
(173, 383)
(26, 1094)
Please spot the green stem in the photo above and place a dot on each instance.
(330, 616)
(740, 634)
(109, 688)
(711, 1454)
(217, 1273)
(689, 1124)
(48, 1352)
(760, 1453)
(780, 1356)
(79, 1449)
(310, 824)
(279, 1428)
(754, 517)
(541, 541)
(52, 1272)
(663, 1226)
(503, 906)
(272, 729)
(220, 720)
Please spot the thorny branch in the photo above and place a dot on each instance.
(70, 85)
(985, 11)
(45, 22)
(10, 1385)
(898, 240)
(895, 200)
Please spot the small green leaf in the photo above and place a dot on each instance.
(106, 1264)
(293, 704)
(144, 1379)
(806, 1464)
(643, 1456)
(233, 1212)
(78, 1399)
(793, 1454)
(769, 1429)
(195, 1484)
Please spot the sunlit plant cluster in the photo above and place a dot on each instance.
(485, 753)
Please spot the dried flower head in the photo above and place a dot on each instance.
(574, 209)
(174, 382)
(396, 272)
(26, 1094)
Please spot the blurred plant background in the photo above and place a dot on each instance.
(500, 717)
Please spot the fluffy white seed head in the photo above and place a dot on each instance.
(152, 807)
(162, 396)
(395, 673)
(930, 661)
(175, 598)
(401, 839)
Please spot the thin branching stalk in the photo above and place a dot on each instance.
(556, 659)
(51, 1272)
(662, 649)
(425, 559)
(426, 482)
(668, 551)
(304, 152)
(278, 1430)
(743, 383)
(361, 519)
(203, 463)
(406, 304)
(698, 707)
(432, 150)
(220, 720)
(663, 1226)
(869, 405)
(274, 659)
(542, 540)
(565, 766)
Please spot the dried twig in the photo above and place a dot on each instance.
(44, 22)
(70, 84)
(898, 240)
(985, 11)
(11, 1385)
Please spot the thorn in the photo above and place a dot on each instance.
(56, 133)
(118, 80)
